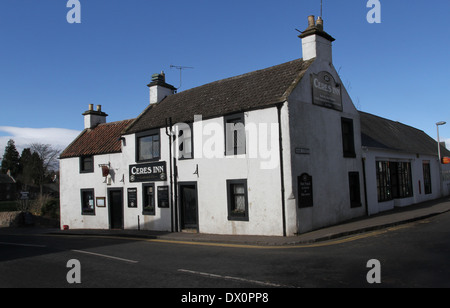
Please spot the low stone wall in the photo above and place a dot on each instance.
(11, 219)
(21, 219)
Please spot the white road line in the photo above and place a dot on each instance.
(19, 244)
(105, 256)
(263, 283)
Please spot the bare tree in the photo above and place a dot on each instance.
(49, 158)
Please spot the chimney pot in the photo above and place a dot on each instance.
(319, 23)
(91, 107)
(311, 21)
(99, 107)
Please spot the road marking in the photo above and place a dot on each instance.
(307, 245)
(105, 256)
(237, 245)
(19, 244)
(263, 283)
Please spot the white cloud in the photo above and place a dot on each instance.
(59, 138)
(447, 143)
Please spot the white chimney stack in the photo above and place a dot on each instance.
(159, 89)
(316, 43)
(92, 117)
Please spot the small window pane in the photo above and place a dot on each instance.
(148, 147)
(87, 202)
(87, 164)
(237, 200)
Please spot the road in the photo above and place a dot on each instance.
(412, 255)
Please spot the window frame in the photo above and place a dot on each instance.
(139, 136)
(145, 211)
(401, 173)
(82, 164)
(348, 138)
(180, 153)
(236, 150)
(83, 207)
(394, 180)
(427, 182)
(383, 181)
(232, 216)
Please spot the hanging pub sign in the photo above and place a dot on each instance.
(305, 190)
(149, 172)
(325, 91)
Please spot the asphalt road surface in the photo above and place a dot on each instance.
(412, 255)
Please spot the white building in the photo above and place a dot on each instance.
(273, 152)
(401, 165)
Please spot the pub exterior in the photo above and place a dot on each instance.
(272, 152)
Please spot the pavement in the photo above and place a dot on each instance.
(395, 217)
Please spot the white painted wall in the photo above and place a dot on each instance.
(72, 181)
(319, 130)
(214, 168)
(373, 155)
(262, 174)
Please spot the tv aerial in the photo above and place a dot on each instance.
(180, 68)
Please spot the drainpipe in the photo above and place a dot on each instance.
(169, 134)
(283, 203)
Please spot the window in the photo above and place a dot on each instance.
(87, 202)
(348, 140)
(383, 181)
(401, 179)
(147, 146)
(237, 200)
(163, 196)
(427, 177)
(86, 164)
(185, 141)
(355, 192)
(148, 199)
(393, 180)
(234, 134)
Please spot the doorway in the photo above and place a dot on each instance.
(188, 205)
(115, 203)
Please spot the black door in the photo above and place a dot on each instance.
(188, 205)
(115, 208)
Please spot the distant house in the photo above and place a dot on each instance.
(401, 164)
(8, 188)
(278, 151)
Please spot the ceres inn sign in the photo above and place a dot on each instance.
(326, 92)
(148, 172)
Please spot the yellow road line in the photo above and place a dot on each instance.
(250, 246)
(311, 245)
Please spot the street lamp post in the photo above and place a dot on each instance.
(439, 154)
(439, 143)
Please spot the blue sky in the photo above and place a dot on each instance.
(51, 70)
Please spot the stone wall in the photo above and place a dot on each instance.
(11, 219)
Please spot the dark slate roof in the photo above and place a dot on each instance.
(378, 132)
(254, 90)
(102, 139)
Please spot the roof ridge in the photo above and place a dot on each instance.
(257, 89)
(392, 121)
(241, 75)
